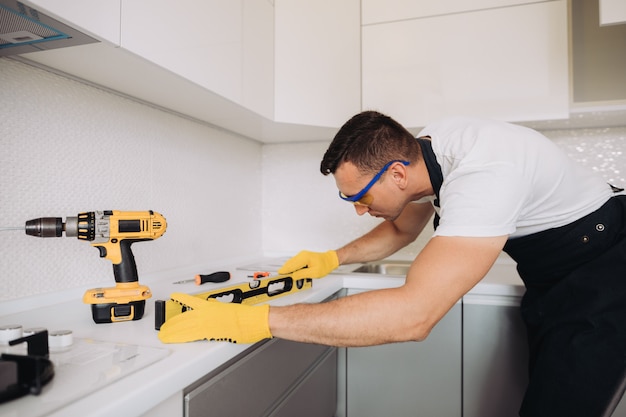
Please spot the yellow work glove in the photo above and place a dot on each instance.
(215, 320)
(310, 264)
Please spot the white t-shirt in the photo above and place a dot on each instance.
(500, 178)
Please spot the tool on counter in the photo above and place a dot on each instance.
(221, 276)
(258, 275)
(253, 292)
(112, 232)
(26, 374)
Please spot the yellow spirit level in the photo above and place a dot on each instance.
(253, 292)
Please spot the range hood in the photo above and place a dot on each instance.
(24, 29)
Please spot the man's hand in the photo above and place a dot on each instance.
(215, 320)
(310, 264)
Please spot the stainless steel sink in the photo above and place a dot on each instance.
(385, 268)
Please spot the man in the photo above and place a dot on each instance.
(492, 186)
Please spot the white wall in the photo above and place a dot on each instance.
(67, 147)
(301, 207)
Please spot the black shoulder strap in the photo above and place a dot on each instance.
(434, 171)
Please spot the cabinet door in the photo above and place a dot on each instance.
(253, 385)
(508, 63)
(495, 357)
(408, 379)
(376, 11)
(318, 65)
(207, 43)
(316, 395)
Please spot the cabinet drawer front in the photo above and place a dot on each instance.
(252, 385)
(316, 396)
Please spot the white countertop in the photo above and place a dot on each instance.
(182, 364)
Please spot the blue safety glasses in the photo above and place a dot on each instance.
(362, 198)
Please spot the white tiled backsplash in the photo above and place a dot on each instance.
(67, 147)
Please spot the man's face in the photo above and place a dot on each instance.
(383, 199)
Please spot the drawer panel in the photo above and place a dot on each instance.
(252, 385)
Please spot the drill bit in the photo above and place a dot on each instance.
(6, 229)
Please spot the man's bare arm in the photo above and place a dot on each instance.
(388, 237)
(444, 271)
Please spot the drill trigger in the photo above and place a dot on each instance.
(103, 251)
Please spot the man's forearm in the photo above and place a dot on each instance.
(365, 319)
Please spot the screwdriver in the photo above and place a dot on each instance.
(200, 279)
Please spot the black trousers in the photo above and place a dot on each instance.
(575, 313)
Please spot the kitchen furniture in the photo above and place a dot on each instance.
(400, 378)
(598, 61)
(295, 70)
(249, 66)
(612, 12)
(495, 356)
(484, 63)
(277, 378)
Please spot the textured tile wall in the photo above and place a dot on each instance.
(67, 147)
(601, 149)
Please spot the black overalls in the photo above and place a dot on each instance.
(574, 309)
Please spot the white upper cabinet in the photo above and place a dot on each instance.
(99, 18)
(377, 11)
(507, 63)
(210, 43)
(612, 12)
(318, 62)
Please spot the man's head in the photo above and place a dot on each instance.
(370, 140)
(369, 148)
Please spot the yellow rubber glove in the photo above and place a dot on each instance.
(310, 264)
(215, 320)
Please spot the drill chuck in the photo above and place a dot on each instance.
(45, 227)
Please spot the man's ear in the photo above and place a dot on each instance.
(399, 175)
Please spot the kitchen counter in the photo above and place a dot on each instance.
(179, 365)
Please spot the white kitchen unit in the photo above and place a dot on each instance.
(612, 12)
(318, 61)
(100, 18)
(408, 379)
(207, 43)
(216, 61)
(378, 11)
(598, 60)
(507, 63)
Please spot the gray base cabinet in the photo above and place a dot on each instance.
(408, 379)
(278, 378)
(495, 355)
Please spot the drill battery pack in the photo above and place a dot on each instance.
(113, 312)
(124, 302)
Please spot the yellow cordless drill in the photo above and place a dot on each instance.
(112, 232)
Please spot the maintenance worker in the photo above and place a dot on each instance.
(492, 186)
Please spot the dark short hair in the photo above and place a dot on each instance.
(369, 140)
